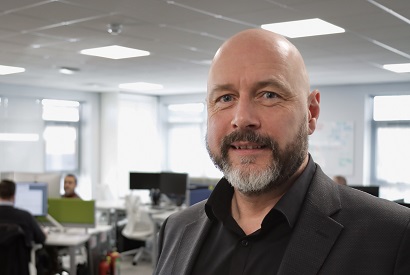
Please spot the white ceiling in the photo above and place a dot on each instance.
(183, 35)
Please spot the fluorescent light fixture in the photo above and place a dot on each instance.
(398, 68)
(115, 52)
(10, 70)
(140, 86)
(303, 28)
(18, 137)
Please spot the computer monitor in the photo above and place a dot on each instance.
(32, 197)
(53, 181)
(372, 190)
(144, 181)
(174, 186)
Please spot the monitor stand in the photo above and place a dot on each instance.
(155, 195)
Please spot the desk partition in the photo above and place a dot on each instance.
(72, 212)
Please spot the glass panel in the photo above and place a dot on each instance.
(21, 126)
(393, 154)
(61, 148)
(187, 152)
(387, 108)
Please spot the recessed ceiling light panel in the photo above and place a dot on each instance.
(398, 68)
(140, 86)
(10, 70)
(115, 52)
(303, 28)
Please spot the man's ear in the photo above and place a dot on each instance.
(314, 110)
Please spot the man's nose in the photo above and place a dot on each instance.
(245, 115)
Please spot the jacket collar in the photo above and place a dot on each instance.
(191, 241)
(316, 231)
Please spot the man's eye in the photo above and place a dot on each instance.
(226, 98)
(270, 95)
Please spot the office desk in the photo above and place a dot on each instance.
(71, 240)
(110, 205)
(111, 208)
(95, 239)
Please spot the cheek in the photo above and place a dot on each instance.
(282, 129)
(215, 132)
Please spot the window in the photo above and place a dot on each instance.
(61, 134)
(391, 146)
(186, 150)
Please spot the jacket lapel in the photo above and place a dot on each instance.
(316, 232)
(194, 233)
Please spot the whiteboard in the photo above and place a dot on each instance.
(331, 146)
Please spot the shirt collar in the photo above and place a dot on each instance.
(291, 202)
(218, 205)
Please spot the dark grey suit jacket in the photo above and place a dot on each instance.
(339, 231)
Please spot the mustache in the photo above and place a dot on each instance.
(249, 136)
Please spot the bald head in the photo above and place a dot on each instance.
(258, 46)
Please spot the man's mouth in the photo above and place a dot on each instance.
(248, 147)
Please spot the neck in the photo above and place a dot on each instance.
(7, 200)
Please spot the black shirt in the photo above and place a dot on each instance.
(227, 250)
(32, 230)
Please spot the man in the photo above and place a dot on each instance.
(275, 211)
(70, 183)
(11, 215)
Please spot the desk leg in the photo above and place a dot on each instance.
(73, 266)
(114, 237)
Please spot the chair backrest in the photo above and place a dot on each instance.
(139, 222)
(14, 251)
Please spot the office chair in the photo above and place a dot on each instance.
(14, 251)
(139, 227)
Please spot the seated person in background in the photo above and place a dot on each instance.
(70, 183)
(340, 180)
(10, 214)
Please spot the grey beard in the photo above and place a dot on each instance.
(250, 181)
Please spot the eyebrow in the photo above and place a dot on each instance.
(271, 83)
(223, 87)
(258, 85)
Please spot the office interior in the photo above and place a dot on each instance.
(123, 130)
